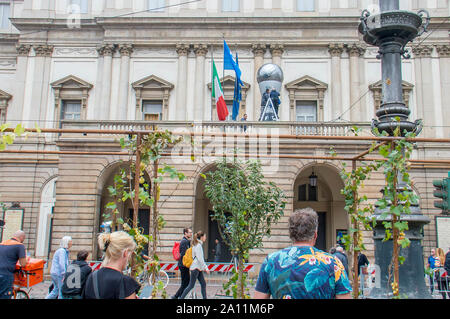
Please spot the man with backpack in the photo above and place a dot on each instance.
(184, 271)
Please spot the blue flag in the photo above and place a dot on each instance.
(228, 61)
(237, 94)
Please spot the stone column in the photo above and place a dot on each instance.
(15, 111)
(124, 85)
(104, 109)
(444, 66)
(258, 50)
(425, 78)
(336, 50)
(277, 51)
(40, 88)
(200, 51)
(179, 113)
(355, 51)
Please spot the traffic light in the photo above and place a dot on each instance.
(442, 191)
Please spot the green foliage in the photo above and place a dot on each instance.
(231, 287)
(397, 197)
(151, 151)
(245, 206)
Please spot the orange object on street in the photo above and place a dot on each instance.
(30, 275)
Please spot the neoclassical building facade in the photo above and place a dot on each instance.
(138, 64)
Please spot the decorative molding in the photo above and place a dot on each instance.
(75, 52)
(336, 49)
(7, 64)
(23, 49)
(152, 88)
(259, 49)
(182, 49)
(43, 50)
(422, 51)
(200, 49)
(106, 50)
(376, 89)
(355, 49)
(443, 50)
(276, 49)
(126, 49)
(4, 98)
(307, 88)
(71, 88)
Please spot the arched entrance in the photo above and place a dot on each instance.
(325, 198)
(48, 199)
(203, 211)
(106, 180)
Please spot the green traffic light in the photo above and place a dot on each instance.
(442, 192)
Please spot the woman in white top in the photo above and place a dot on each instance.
(198, 265)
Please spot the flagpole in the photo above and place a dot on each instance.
(212, 71)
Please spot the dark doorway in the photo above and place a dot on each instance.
(321, 232)
(225, 254)
(143, 222)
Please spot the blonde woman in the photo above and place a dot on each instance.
(109, 282)
(198, 265)
(59, 267)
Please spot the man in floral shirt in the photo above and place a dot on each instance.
(302, 271)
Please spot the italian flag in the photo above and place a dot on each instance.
(217, 93)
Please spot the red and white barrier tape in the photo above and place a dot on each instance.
(173, 266)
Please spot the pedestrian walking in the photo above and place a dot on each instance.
(185, 243)
(431, 266)
(302, 271)
(217, 251)
(76, 276)
(60, 262)
(109, 282)
(198, 265)
(362, 262)
(11, 251)
(441, 275)
(340, 254)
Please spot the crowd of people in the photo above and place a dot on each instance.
(439, 271)
(298, 271)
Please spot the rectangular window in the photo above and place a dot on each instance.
(230, 5)
(306, 111)
(5, 11)
(152, 110)
(305, 5)
(71, 110)
(79, 6)
(156, 5)
(302, 193)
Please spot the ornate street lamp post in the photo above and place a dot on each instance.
(391, 30)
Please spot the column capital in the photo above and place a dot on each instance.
(106, 49)
(356, 49)
(23, 49)
(336, 49)
(422, 51)
(182, 49)
(276, 49)
(43, 50)
(200, 49)
(443, 50)
(259, 49)
(126, 49)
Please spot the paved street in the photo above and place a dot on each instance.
(214, 289)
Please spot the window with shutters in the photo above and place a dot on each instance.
(152, 110)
